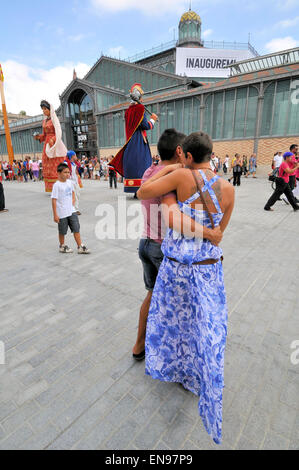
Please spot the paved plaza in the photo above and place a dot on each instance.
(69, 323)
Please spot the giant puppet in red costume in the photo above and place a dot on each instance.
(135, 157)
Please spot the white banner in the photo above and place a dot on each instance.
(201, 62)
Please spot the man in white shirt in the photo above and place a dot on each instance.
(5, 169)
(277, 160)
(214, 163)
(226, 165)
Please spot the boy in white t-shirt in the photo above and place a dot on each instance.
(63, 198)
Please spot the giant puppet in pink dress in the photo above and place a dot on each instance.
(54, 151)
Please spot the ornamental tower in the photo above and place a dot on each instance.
(190, 30)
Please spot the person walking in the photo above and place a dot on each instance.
(277, 161)
(296, 190)
(15, 170)
(245, 166)
(105, 169)
(253, 165)
(20, 175)
(282, 183)
(2, 198)
(112, 175)
(237, 170)
(24, 170)
(226, 165)
(97, 169)
(292, 164)
(5, 169)
(214, 163)
(35, 170)
(220, 164)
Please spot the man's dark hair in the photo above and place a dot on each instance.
(292, 148)
(61, 167)
(200, 145)
(168, 143)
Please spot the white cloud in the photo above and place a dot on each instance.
(25, 87)
(290, 23)
(207, 33)
(281, 44)
(152, 8)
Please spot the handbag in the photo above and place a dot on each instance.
(272, 176)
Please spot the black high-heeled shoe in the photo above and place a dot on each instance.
(139, 357)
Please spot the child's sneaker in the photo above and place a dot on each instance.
(83, 250)
(65, 249)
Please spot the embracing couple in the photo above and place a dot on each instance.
(183, 320)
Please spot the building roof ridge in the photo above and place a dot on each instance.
(134, 65)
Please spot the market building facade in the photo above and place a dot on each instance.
(247, 106)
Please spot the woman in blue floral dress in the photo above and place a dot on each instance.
(187, 323)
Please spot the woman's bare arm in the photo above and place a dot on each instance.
(158, 187)
(229, 194)
(165, 170)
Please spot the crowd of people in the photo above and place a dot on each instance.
(22, 170)
(235, 166)
(95, 168)
(32, 170)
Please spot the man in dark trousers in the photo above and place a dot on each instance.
(112, 175)
(282, 183)
(292, 164)
(2, 198)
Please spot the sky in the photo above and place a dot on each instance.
(42, 42)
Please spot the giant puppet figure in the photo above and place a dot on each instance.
(54, 151)
(135, 157)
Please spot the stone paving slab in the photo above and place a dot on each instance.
(69, 324)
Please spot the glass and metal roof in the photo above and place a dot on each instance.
(278, 59)
(208, 44)
(23, 122)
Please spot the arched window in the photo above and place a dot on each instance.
(82, 122)
(80, 107)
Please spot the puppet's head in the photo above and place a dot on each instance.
(136, 92)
